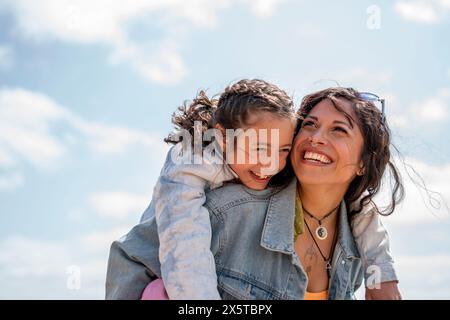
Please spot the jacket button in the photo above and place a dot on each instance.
(343, 261)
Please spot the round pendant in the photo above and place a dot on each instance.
(321, 233)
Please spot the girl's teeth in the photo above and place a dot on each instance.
(260, 176)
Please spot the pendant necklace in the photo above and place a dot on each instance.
(321, 231)
(333, 245)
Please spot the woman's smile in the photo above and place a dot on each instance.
(315, 157)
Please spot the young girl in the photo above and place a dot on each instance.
(267, 120)
(184, 230)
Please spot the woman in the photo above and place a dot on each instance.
(338, 158)
(341, 150)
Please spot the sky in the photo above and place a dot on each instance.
(87, 89)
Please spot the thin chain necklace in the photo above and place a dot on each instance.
(325, 259)
(321, 231)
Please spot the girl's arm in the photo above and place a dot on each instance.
(184, 227)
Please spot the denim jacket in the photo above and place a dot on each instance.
(253, 248)
(184, 226)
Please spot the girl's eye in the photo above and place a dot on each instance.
(285, 150)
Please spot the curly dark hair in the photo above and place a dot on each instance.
(376, 154)
(233, 107)
(201, 108)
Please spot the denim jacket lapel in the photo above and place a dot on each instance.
(278, 230)
(346, 239)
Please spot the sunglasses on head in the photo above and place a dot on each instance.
(367, 96)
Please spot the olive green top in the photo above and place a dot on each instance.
(299, 224)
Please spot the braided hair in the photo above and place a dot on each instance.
(233, 107)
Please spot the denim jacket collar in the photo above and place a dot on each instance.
(346, 239)
(280, 218)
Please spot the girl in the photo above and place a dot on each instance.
(263, 112)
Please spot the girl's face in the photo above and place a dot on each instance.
(327, 150)
(262, 149)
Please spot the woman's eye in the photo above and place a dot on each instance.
(340, 129)
(308, 124)
(285, 150)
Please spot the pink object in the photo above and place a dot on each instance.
(155, 291)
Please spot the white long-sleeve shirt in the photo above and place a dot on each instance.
(184, 228)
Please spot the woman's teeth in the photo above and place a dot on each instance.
(316, 157)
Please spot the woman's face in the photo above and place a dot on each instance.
(327, 150)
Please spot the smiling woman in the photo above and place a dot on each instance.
(341, 151)
(347, 128)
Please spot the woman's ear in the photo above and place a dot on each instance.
(361, 169)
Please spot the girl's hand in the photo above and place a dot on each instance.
(387, 291)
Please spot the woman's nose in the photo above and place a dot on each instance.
(317, 140)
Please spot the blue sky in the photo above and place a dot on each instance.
(87, 89)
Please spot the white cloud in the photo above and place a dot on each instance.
(118, 205)
(6, 57)
(35, 269)
(101, 240)
(420, 206)
(414, 285)
(412, 282)
(421, 11)
(32, 268)
(418, 11)
(444, 3)
(108, 139)
(432, 109)
(25, 119)
(263, 8)
(106, 22)
(168, 66)
(23, 257)
(29, 123)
